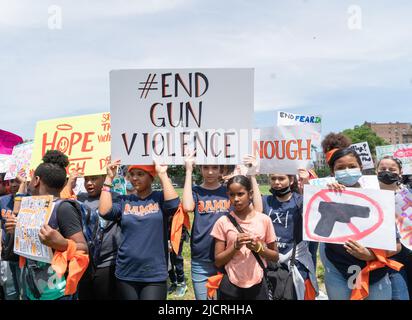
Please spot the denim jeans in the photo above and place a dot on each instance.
(399, 283)
(337, 286)
(202, 270)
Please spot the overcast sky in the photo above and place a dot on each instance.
(348, 63)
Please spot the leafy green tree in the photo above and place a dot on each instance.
(364, 133)
(323, 172)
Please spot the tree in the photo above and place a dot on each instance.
(323, 172)
(364, 133)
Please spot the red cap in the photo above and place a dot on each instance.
(151, 169)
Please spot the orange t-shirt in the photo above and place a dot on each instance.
(244, 270)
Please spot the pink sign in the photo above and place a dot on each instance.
(7, 141)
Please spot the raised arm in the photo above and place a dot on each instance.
(22, 191)
(187, 201)
(67, 191)
(303, 178)
(169, 191)
(251, 164)
(105, 203)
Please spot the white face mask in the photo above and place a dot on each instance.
(348, 177)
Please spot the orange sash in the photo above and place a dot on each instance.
(22, 262)
(77, 261)
(213, 284)
(180, 219)
(310, 292)
(362, 281)
(67, 193)
(329, 154)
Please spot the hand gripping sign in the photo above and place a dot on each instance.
(365, 216)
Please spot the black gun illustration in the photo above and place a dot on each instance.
(332, 212)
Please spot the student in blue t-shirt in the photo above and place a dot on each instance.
(284, 207)
(208, 201)
(141, 265)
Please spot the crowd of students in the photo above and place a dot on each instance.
(129, 247)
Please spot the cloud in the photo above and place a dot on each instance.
(28, 13)
(304, 54)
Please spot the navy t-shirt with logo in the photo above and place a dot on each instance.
(143, 249)
(286, 217)
(210, 205)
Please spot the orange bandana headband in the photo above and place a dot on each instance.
(149, 169)
(329, 154)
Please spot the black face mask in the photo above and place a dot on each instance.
(280, 192)
(388, 177)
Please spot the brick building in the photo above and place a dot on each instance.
(392, 132)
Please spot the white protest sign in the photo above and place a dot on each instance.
(283, 149)
(21, 161)
(313, 121)
(291, 119)
(366, 182)
(363, 215)
(401, 151)
(364, 153)
(5, 162)
(403, 208)
(34, 212)
(167, 113)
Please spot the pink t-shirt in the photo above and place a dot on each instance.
(244, 270)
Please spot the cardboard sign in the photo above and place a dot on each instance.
(403, 209)
(283, 149)
(363, 215)
(7, 141)
(5, 162)
(84, 139)
(34, 212)
(363, 151)
(366, 182)
(401, 151)
(20, 163)
(168, 113)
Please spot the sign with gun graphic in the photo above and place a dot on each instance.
(363, 215)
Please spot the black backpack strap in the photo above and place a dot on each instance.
(297, 228)
(239, 228)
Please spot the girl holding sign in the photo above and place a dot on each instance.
(63, 233)
(208, 201)
(284, 207)
(236, 235)
(389, 171)
(141, 266)
(346, 266)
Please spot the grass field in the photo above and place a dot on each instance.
(186, 255)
